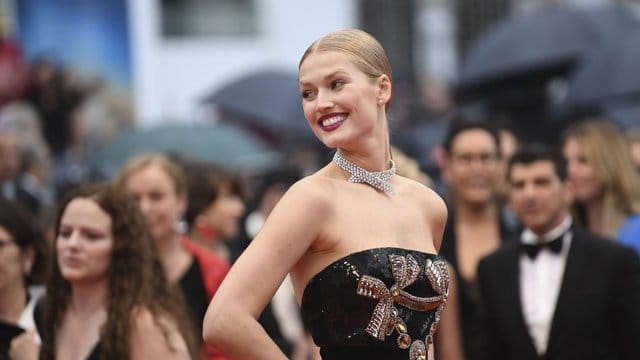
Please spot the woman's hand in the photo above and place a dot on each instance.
(25, 346)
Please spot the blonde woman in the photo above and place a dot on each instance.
(605, 183)
(359, 241)
(159, 186)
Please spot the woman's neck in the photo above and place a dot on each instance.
(373, 161)
(169, 244)
(374, 154)
(594, 213)
(13, 300)
(175, 259)
(89, 296)
(476, 213)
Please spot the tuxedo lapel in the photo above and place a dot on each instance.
(574, 274)
(512, 295)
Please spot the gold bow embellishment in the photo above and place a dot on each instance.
(405, 271)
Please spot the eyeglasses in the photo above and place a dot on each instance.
(467, 159)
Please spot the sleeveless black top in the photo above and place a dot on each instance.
(381, 303)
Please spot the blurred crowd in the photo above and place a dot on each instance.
(95, 267)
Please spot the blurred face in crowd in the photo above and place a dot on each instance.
(84, 243)
(14, 262)
(9, 155)
(159, 201)
(473, 167)
(225, 213)
(538, 195)
(634, 147)
(583, 178)
(508, 144)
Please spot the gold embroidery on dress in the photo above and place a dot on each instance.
(385, 319)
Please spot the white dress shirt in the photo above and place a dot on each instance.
(540, 282)
(26, 320)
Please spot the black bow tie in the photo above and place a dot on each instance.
(532, 250)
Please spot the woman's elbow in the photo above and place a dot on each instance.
(217, 324)
(212, 326)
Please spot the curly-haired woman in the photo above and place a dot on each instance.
(107, 296)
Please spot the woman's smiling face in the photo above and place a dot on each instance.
(583, 178)
(339, 101)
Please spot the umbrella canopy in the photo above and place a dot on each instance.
(606, 81)
(546, 39)
(267, 99)
(607, 73)
(223, 145)
(543, 44)
(625, 115)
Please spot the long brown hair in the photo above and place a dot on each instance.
(136, 279)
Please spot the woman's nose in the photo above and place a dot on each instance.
(324, 101)
(73, 240)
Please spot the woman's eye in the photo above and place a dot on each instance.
(307, 94)
(337, 83)
(156, 196)
(93, 236)
(583, 160)
(65, 233)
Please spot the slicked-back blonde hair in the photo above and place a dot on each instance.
(363, 49)
(607, 151)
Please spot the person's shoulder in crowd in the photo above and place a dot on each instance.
(213, 267)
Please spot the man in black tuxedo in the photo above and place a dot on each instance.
(559, 292)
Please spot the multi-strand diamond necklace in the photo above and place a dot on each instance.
(377, 179)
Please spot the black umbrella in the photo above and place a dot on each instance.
(548, 39)
(520, 65)
(625, 114)
(606, 81)
(267, 99)
(528, 49)
(223, 145)
(610, 72)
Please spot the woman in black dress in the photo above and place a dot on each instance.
(359, 241)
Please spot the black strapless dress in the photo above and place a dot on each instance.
(381, 303)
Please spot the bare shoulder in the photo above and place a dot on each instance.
(429, 199)
(430, 203)
(156, 337)
(314, 192)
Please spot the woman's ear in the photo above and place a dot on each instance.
(182, 205)
(28, 259)
(384, 89)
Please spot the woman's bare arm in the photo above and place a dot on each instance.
(231, 321)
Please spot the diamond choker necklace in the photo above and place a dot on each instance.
(377, 179)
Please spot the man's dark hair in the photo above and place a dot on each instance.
(461, 123)
(530, 153)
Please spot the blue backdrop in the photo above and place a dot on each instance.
(90, 35)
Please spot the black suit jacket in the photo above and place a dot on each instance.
(597, 314)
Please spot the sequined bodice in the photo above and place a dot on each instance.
(382, 303)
